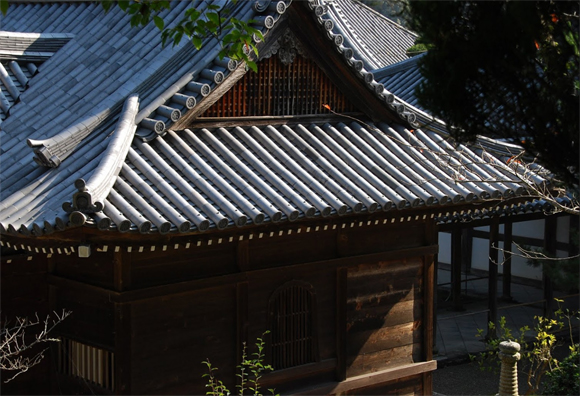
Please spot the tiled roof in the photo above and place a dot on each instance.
(374, 38)
(401, 79)
(98, 117)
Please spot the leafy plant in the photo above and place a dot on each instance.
(565, 379)
(537, 354)
(197, 26)
(251, 370)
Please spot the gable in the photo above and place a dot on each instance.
(281, 88)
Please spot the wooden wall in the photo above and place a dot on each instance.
(384, 312)
(164, 311)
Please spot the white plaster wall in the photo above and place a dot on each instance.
(444, 254)
(530, 229)
(520, 268)
(563, 229)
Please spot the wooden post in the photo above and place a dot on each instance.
(341, 295)
(550, 239)
(430, 282)
(123, 347)
(456, 268)
(492, 280)
(428, 278)
(435, 298)
(242, 319)
(507, 261)
(466, 248)
(122, 270)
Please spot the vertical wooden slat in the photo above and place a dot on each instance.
(296, 89)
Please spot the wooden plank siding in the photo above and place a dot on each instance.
(171, 336)
(163, 311)
(384, 315)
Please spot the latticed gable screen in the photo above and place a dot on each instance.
(299, 88)
(92, 364)
(292, 326)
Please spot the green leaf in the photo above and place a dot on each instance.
(159, 22)
(214, 17)
(136, 20)
(192, 14)
(105, 3)
(123, 4)
(196, 40)
(4, 6)
(252, 65)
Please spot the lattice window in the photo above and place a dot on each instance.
(299, 88)
(292, 314)
(92, 364)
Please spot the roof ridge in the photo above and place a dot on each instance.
(92, 193)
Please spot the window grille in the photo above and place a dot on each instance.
(293, 326)
(92, 364)
(300, 88)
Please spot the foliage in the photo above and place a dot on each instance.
(237, 43)
(537, 354)
(565, 379)
(505, 69)
(396, 10)
(19, 339)
(562, 271)
(250, 370)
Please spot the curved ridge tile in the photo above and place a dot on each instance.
(91, 194)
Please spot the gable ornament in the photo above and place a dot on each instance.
(286, 47)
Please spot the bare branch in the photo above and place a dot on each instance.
(15, 343)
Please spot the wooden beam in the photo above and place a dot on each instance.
(230, 279)
(373, 379)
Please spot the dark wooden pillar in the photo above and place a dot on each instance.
(123, 347)
(122, 270)
(341, 292)
(435, 299)
(242, 319)
(428, 278)
(492, 280)
(430, 282)
(550, 229)
(456, 268)
(466, 248)
(507, 261)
